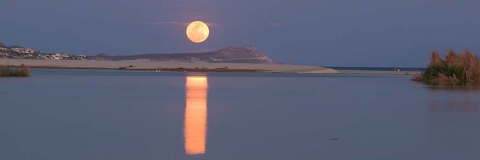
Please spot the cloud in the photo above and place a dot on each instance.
(277, 24)
(165, 23)
(212, 24)
(179, 23)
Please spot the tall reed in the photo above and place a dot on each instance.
(7, 71)
(453, 69)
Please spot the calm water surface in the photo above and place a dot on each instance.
(121, 115)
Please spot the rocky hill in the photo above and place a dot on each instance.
(225, 55)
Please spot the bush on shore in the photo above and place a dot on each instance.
(7, 71)
(455, 68)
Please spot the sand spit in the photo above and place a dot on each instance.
(379, 72)
(168, 66)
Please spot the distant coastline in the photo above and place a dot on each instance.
(188, 67)
(224, 55)
(179, 69)
(228, 59)
(377, 68)
(166, 66)
(379, 72)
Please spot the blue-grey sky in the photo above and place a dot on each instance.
(317, 32)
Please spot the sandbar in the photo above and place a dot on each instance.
(187, 67)
(167, 66)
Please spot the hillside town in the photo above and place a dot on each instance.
(17, 52)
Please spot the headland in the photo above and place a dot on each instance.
(228, 59)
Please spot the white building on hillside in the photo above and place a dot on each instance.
(22, 50)
(57, 56)
(60, 56)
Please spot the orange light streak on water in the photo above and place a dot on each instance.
(196, 115)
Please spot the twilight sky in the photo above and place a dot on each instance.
(392, 33)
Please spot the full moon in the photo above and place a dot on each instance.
(197, 31)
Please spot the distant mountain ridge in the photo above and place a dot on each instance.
(225, 55)
(3, 46)
(11, 47)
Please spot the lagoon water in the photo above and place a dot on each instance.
(122, 115)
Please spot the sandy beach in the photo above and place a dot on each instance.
(168, 66)
(188, 67)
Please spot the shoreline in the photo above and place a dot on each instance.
(187, 67)
(146, 69)
(224, 70)
(379, 72)
(166, 66)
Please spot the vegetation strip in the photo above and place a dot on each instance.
(455, 68)
(7, 71)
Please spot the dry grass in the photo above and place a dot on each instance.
(6, 71)
(453, 69)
